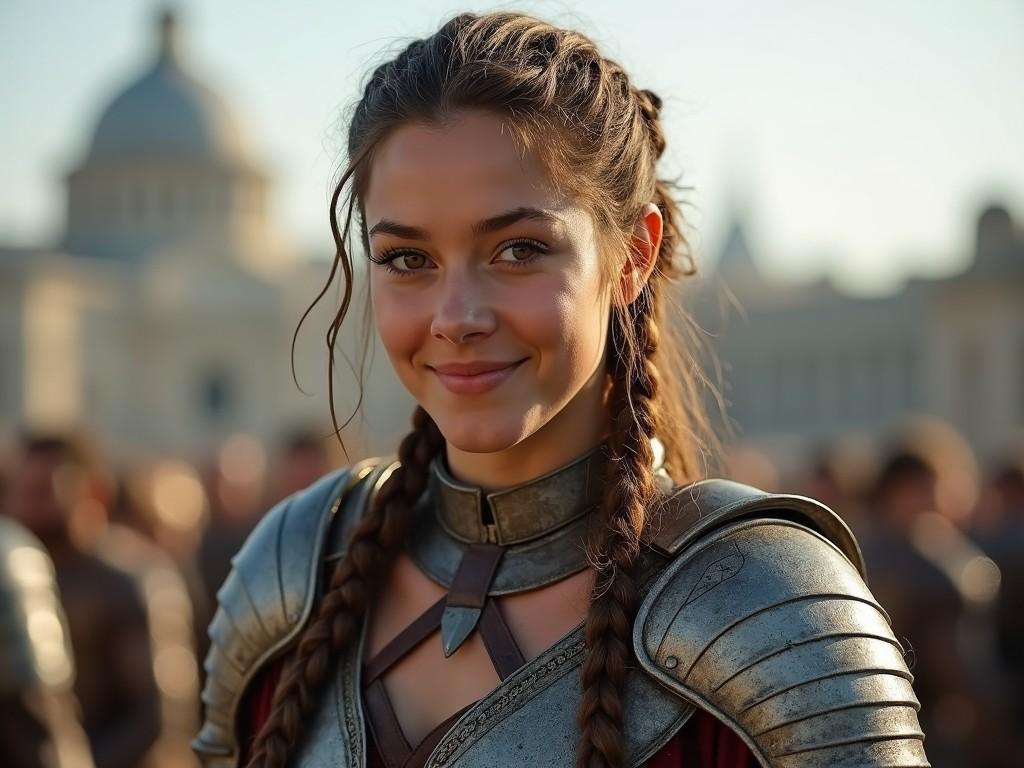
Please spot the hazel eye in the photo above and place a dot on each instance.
(412, 261)
(399, 262)
(520, 252)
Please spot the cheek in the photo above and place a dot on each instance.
(567, 328)
(399, 320)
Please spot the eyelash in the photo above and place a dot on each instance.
(388, 255)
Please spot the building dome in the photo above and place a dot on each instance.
(168, 114)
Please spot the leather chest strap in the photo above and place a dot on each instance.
(468, 594)
(473, 579)
(498, 640)
(404, 642)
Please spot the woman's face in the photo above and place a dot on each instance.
(487, 286)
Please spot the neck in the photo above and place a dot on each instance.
(576, 429)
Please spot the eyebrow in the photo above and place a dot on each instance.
(492, 224)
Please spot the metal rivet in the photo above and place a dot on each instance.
(671, 662)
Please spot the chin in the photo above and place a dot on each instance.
(473, 434)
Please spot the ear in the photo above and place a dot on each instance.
(643, 255)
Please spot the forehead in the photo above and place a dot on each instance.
(464, 169)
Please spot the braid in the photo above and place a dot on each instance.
(371, 550)
(650, 108)
(615, 543)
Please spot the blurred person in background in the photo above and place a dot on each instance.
(304, 456)
(39, 719)
(166, 503)
(234, 484)
(1001, 535)
(51, 491)
(137, 541)
(746, 464)
(836, 475)
(932, 581)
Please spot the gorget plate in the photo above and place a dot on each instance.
(523, 567)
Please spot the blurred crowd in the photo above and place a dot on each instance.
(137, 554)
(117, 568)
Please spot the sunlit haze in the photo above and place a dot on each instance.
(856, 139)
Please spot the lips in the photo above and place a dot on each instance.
(475, 377)
(472, 369)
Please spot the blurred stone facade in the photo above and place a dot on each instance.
(806, 364)
(163, 319)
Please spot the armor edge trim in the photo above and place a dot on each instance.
(691, 511)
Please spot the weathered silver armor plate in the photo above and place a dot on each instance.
(754, 610)
(768, 626)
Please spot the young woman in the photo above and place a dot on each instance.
(541, 578)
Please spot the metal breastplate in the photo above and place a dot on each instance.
(530, 717)
(336, 738)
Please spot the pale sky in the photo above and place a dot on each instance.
(861, 137)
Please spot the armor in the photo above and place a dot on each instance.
(41, 657)
(744, 595)
(767, 623)
(269, 594)
(38, 719)
(529, 719)
(540, 525)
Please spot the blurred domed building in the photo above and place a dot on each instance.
(163, 319)
(168, 165)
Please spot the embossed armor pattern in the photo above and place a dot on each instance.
(530, 718)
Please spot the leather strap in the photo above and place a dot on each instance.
(473, 579)
(392, 746)
(498, 640)
(414, 634)
(468, 594)
(387, 732)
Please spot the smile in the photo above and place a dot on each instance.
(474, 378)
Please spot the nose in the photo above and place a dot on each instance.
(463, 312)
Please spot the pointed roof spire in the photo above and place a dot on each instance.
(168, 30)
(735, 253)
(734, 256)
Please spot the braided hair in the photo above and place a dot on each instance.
(371, 548)
(607, 138)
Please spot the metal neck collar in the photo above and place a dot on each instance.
(522, 513)
(540, 525)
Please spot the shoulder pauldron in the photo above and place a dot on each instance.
(269, 594)
(763, 619)
(28, 598)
